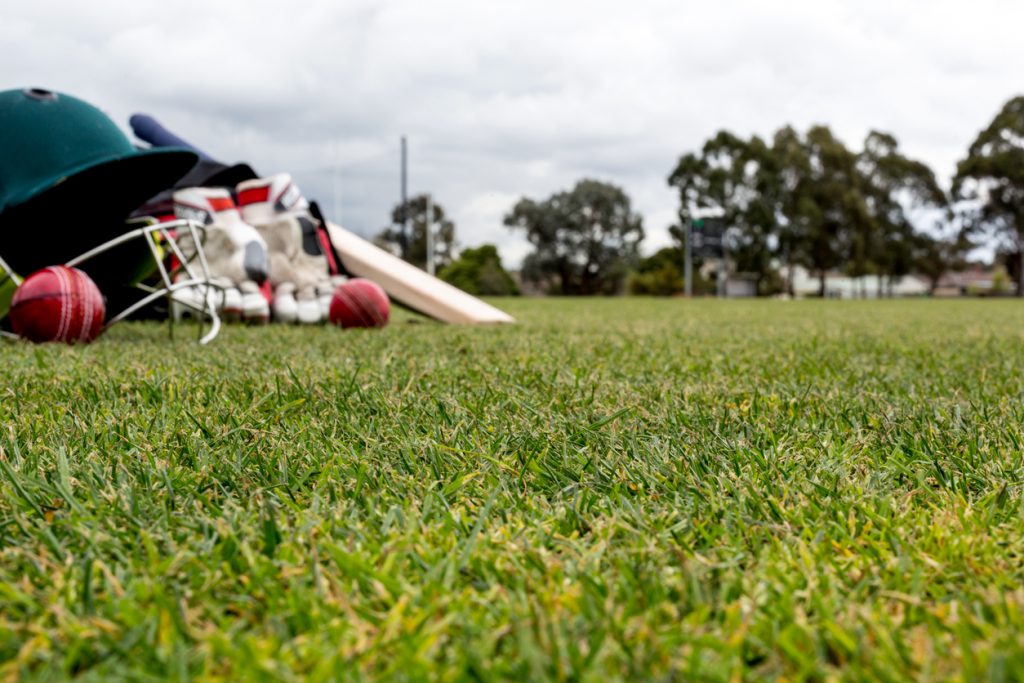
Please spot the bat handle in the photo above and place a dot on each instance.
(149, 129)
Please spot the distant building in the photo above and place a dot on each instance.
(838, 286)
(526, 288)
(978, 281)
(741, 285)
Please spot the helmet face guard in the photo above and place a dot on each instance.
(182, 240)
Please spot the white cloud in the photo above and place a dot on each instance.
(505, 99)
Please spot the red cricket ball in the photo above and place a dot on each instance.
(58, 304)
(360, 303)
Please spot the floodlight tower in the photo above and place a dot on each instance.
(687, 226)
(430, 234)
(405, 200)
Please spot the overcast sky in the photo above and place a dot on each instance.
(505, 99)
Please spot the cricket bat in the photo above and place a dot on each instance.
(409, 285)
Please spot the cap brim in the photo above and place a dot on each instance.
(86, 207)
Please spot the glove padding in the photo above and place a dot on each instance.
(299, 268)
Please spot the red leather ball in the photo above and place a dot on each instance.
(360, 303)
(58, 304)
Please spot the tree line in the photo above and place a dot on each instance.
(794, 199)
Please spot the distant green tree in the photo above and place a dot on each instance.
(660, 274)
(893, 185)
(809, 200)
(990, 180)
(1000, 281)
(835, 234)
(934, 256)
(785, 173)
(732, 178)
(585, 240)
(828, 225)
(444, 233)
(479, 272)
(1009, 260)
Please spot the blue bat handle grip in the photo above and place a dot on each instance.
(149, 129)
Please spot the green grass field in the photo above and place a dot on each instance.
(610, 490)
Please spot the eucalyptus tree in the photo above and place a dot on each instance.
(730, 178)
(894, 187)
(438, 220)
(585, 240)
(989, 181)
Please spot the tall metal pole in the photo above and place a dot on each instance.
(430, 234)
(405, 201)
(688, 263)
(723, 267)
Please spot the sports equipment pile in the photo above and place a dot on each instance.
(213, 242)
